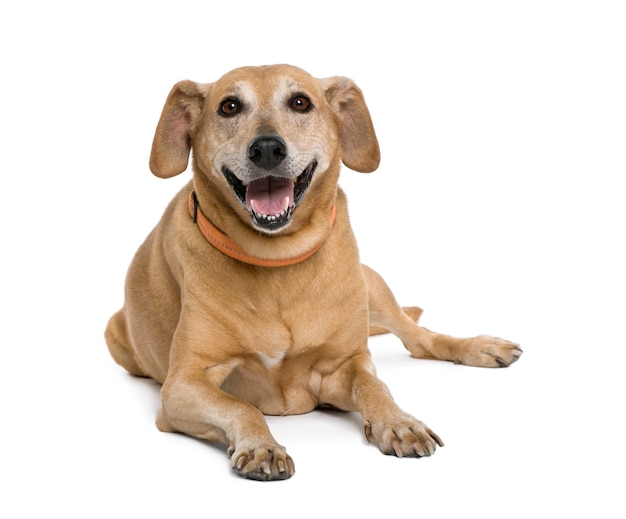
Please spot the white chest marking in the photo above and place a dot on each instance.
(270, 362)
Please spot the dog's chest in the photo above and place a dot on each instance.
(286, 344)
(279, 314)
(272, 331)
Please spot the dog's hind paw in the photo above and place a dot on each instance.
(488, 352)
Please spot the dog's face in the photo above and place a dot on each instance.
(267, 133)
(264, 137)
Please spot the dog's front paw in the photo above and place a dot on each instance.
(488, 352)
(403, 436)
(262, 462)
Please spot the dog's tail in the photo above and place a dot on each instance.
(414, 312)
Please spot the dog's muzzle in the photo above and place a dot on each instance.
(272, 198)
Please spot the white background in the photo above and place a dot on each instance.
(498, 207)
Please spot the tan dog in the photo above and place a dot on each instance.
(248, 297)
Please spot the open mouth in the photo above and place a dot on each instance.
(271, 200)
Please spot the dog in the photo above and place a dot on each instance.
(248, 298)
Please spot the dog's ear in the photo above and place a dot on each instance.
(358, 139)
(172, 139)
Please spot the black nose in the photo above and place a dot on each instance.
(267, 151)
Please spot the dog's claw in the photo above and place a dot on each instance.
(419, 450)
(501, 363)
(397, 449)
(368, 432)
(265, 467)
(241, 462)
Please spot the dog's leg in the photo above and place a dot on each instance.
(194, 404)
(387, 315)
(116, 336)
(355, 387)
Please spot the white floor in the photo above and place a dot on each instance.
(499, 208)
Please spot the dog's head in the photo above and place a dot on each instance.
(265, 137)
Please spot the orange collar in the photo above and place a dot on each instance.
(225, 245)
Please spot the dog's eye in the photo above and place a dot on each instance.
(229, 107)
(300, 103)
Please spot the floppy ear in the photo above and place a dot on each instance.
(172, 139)
(358, 139)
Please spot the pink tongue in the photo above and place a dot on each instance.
(268, 195)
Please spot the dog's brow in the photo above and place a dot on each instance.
(245, 91)
(291, 84)
(286, 88)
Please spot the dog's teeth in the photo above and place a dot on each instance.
(271, 217)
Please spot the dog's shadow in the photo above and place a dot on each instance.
(150, 391)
